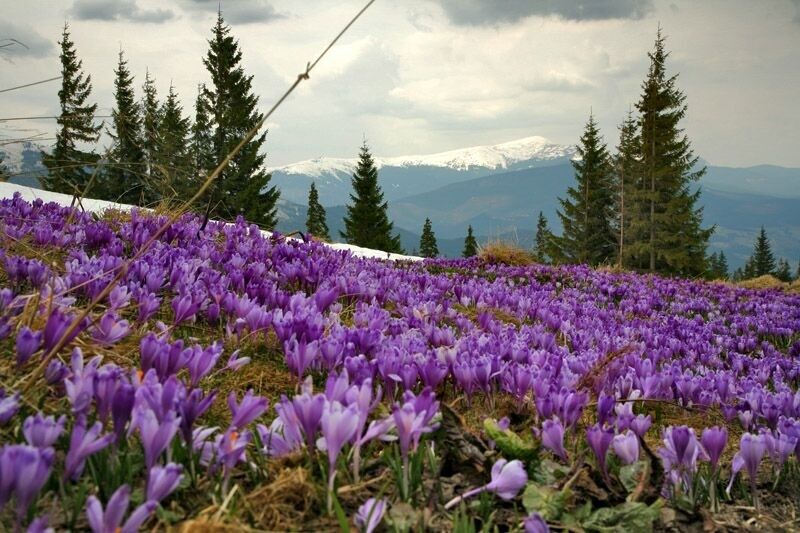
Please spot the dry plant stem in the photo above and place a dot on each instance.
(123, 269)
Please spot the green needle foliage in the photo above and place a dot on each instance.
(544, 240)
(587, 212)
(69, 167)
(316, 223)
(242, 188)
(172, 164)
(152, 115)
(202, 145)
(122, 181)
(665, 224)
(427, 242)
(367, 223)
(470, 244)
(762, 262)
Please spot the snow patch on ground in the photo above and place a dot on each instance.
(30, 194)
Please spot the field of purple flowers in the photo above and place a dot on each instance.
(221, 379)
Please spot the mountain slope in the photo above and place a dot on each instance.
(409, 175)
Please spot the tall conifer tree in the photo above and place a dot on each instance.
(783, 271)
(202, 144)
(367, 221)
(171, 167)
(587, 212)
(666, 233)
(123, 180)
(427, 242)
(151, 125)
(470, 244)
(316, 223)
(544, 239)
(69, 166)
(241, 189)
(762, 262)
(627, 173)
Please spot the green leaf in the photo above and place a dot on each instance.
(547, 502)
(511, 445)
(630, 474)
(550, 472)
(344, 523)
(629, 516)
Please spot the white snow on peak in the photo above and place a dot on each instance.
(499, 156)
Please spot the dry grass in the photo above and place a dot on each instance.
(768, 281)
(507, 253)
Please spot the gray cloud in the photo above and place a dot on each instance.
(20, 40)
(796, 4)
(118, 10)
(240, 11)
(492, 12)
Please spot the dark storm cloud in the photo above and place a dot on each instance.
(20, 40)
(239, 11)
(118, 10)
(491, 12)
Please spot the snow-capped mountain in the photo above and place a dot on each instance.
(23, 161)
(414, 174)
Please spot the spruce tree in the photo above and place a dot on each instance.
(666, 233)
(783, 271)
(427, 242)
(544, 239)
(586, 214)
(201, 146)
(69, 167)
(470, 244)
(241, 189)
(717, 266)
(762, 261)
(316, 223)
(123, 179)
(367, 222)
(151, 122)
(626, 173)
(171, 165)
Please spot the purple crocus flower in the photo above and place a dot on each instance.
(156, 435)
(55, 328)
(190, 408)
(640, 424)
(751, 451)
(534, 523)
(56, 372)
(23, 472)
(110, 519)
(339, 425)
(370, 513)
(300, 355)
(307, 410)
(626, 446)
(110, 329)
(680, 454)
(599, 441)
(250, 408)
(162, 481)
(41, 431)
(184, 308)
(508, 478)
(235, 362)
(553, 437)
(82, 444)
(713, 440)
(202, 362)
(28, 343)
(9, 405)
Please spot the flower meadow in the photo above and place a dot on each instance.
(226, 378)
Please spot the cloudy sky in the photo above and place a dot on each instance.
(421, 76)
